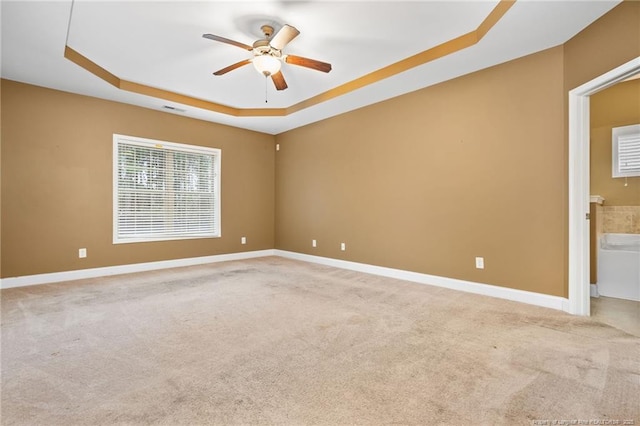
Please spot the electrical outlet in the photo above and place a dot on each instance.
(314, 243)
(343, 246)
(479, 262)
(243, 240)
(82, 253)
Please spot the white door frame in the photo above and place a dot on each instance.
(579, 285)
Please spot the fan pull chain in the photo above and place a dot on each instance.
(265, 89)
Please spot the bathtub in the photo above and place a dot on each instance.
(619, 266)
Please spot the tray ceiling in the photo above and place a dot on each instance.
(159, 45)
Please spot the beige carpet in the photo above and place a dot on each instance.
(275, 341)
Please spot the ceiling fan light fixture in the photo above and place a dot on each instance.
(267, 64)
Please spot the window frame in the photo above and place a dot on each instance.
(616, 133)
(216, 153)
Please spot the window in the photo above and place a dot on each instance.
(626, 151)
(164, 190)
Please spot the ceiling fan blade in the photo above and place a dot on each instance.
(226, 40)
(232, 67)
(278, 81)
(308, 63)
(283, 37)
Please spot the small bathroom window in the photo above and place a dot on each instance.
(626, 151)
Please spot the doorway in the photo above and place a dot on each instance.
(579, 194)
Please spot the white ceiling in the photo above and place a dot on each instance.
(160, 44)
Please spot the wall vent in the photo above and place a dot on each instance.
(170, 108)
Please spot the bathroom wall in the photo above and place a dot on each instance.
(596, 229)
(614, 107)
(621, 219)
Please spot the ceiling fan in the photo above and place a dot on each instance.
(268, 56)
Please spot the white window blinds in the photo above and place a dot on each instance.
(164, 190)
(626, 151)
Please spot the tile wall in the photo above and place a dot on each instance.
(621, 219)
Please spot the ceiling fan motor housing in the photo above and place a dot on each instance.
(262, 47)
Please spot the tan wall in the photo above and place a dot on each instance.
(609, 42)
(57, 181)
(380, 179)
(595, 230)
(428, 181)
(614, 107)
(476, 166)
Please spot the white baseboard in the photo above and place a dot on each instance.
(126, 269)
(594, 291)
(538, 299)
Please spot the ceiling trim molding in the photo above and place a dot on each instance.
(167, 95)
(436, 52)
(444, 49)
